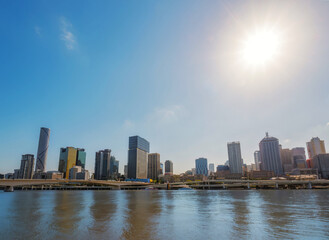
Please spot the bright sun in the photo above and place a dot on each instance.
(261, 47)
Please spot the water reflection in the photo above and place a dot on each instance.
(102, 209)
(279, 214)
(141, 214)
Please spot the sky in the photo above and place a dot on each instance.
(172, 72)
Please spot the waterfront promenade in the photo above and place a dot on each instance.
(64, 184)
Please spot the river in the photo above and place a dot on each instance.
(189, 214)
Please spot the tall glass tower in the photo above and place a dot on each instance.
(234, 157)
(40, 165)
(137, 157)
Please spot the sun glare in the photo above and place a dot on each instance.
(261, 47)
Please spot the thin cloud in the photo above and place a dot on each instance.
(37, 30)
(167, 114)
(66, 34)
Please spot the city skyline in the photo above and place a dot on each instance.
(174, 81)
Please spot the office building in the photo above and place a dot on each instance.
(321, 163)
(201, 166)
(211, 168)
(83, 175)
(40, 165)
(102, 164)
(315, 147)
(16, 174)
(161, 169)
(27, 165)
(270, 155)
(169, 167)
(137, 157)
(125, 171)
(153, 166)
(70, 157)
(257, 160)
(234, 157)
(73, 171)
(81, 158)
(54, 175)
(287, 159)
(299, 157)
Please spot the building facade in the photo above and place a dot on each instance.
(169, 167)
(270, 155)
(211, 168)
(287, 159)
(137, 157)
(70, 157)
(257, 159)
(153, 166)
(102, 164)
(234, 157)
(299, 157)
(27, 165)
(315, 147)
(321, 163)
(40, 165)
(201, 166)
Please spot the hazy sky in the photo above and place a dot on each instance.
(97, 72)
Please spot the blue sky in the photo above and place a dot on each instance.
(97, 72)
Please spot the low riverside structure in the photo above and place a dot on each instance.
(64, 184)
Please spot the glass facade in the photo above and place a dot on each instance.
(138, 142)
(201, 165)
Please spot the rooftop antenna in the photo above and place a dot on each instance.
(266, 134)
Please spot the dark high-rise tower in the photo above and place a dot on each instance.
(137, 157)
(40, 165)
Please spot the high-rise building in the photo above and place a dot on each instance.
(286, 159)
(27, 165)
(161, 169)
(321, 163)
(211, 167)
(315, 147)
(137, 157)
(201, 166)
(102, 164)
(257, 160)
(125, 170)
(169, 167)
(70, 157)
(234, 157)
(153, 166)
(270, 155)
(299, 157)
(40, 165)
(81, 158)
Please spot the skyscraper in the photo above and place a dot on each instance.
(201, 166)
(211, 167)
(40, 165)
(102, 164)
(153, 166)
(27, 165)
(270, 155)
(257, 160)
(169, 167)
(70, 157)
(315, 147)
(81, 158)
(137, 157)
(234, 157)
